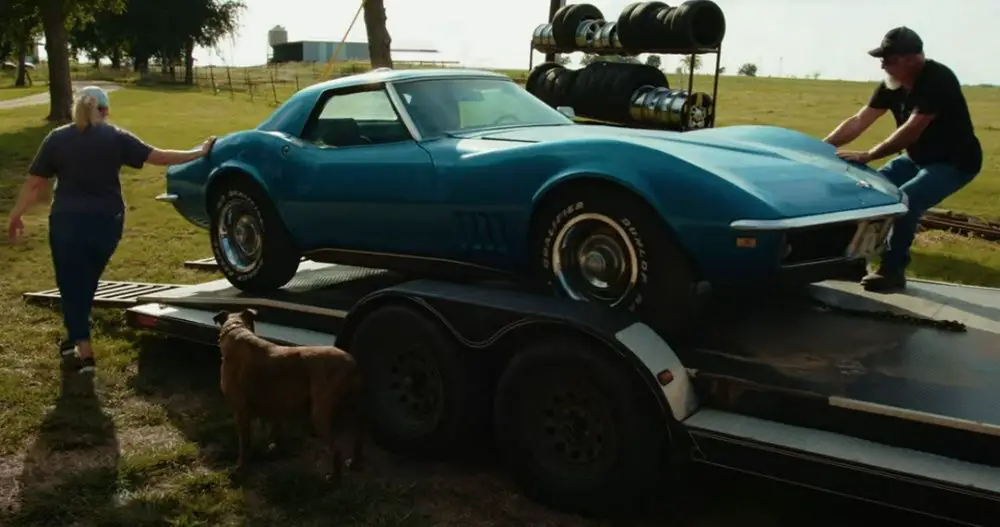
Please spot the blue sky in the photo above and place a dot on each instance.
(783, 37)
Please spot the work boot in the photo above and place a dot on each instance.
(884, 280)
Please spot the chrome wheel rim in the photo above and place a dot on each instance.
(594, 259)
(240, 235)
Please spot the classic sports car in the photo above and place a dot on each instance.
(462, 173)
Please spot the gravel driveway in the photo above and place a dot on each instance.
(43, 98)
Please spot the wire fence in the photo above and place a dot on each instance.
(272, 84)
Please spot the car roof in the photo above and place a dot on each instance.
(390, 75)
(291, 115)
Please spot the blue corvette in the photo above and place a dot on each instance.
(462, 173)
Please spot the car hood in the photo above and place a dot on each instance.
(794, 173)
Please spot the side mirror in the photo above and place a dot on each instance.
(567, 111)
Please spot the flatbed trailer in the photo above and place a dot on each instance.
(890, 399)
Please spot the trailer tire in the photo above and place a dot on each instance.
(276, 259)
(564, 400)
(421, 395)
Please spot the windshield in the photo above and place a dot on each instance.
(440, 106)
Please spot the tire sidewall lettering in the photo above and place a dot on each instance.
(643, 257)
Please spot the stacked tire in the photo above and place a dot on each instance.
(622, 93)
(603, 90)
(640, 27)
(552, 83)
(693, 25)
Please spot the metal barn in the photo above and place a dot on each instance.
(316, 51)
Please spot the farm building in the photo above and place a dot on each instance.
(315, 51)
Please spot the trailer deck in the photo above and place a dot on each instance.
(918, 381)
(841, 365)
(832, 387)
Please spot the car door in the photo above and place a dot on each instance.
(358, 181)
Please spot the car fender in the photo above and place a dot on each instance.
(626, 177)
(235, 166)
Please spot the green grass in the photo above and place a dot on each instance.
(149, 443)
(8, 92)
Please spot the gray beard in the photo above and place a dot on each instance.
(891, 82)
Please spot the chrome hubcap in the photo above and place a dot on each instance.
(240, 235)
(594, 259)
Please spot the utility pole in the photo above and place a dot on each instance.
(554, 6)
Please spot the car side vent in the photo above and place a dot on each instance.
(482, 232)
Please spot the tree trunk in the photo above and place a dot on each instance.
(379, 41)
(22, 57)
(116, 58)
(189, 62)
(57, 47)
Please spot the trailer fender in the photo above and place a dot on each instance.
(480, 318)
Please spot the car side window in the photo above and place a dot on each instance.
(357, 118)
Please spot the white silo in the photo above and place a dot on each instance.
(277, 35)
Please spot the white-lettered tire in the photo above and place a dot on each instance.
(597, 243)
(577, 429)
(250, 243)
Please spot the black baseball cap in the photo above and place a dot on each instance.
(899, 41)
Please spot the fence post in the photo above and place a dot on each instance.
(211, 76)
(249, 83)
(274, 89)
(232, 90)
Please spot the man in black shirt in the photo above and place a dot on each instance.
(933, 127)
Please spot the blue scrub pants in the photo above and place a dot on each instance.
(82, 244)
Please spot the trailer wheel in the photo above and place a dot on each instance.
(249, 241)
(420, 395)
(576, 429)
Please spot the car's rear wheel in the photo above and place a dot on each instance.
(597, 243)
(254, 250)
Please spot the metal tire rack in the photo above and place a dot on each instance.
(551, 50)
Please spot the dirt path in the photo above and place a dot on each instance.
(43, 98)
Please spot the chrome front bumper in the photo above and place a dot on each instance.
(870, 213)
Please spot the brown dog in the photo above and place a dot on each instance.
(260, 379)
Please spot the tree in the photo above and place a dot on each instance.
(379, 41)
(748, 69)
(691, 63)
(19, 25)
(58, 16)
(153, 28)
(654, 61)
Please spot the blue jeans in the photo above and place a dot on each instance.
(81, 245)
(926, 186)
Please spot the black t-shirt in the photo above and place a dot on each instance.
(950, 137)
(86, 164)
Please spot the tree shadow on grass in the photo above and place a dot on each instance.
(17, 149)
(183, 378)
(71, 469)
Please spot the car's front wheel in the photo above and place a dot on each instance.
(599, 244)
(249, 241)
